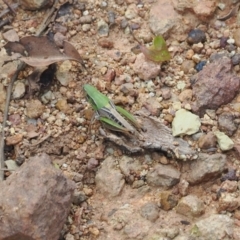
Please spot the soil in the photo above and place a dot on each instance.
(66, 132)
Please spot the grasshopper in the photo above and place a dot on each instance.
(113, 117)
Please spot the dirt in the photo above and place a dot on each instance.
(66, 132)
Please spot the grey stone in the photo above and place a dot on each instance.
(109, 180)
(226, 123)
(150, 211)
(190, 206)
(103, 28)
(216, 226)
(206, 167)
(163, 175)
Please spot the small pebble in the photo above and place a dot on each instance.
(86, 27)
(103, 28)
(200, 65)
(196, 36)
(236, 59)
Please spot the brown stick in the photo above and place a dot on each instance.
(5, 115)
(10, 7)
(7, 10)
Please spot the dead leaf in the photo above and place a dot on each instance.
(42, 51)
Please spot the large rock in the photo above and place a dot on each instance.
(207, 167)
(163, 176)
(109, 180)
(164, 20)
(215, 85)
(203, 9)
(35, 201)
(216, 226)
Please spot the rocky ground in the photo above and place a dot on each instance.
(147, 195)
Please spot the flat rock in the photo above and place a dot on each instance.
(150, 211)
(109, 180)
(163, 176)
(185, 123)
(225, 143)
(62, 73)
(216, 226)
(215, 85)
(162, 17)
(35, 201)
(11, 36)
(226, 123)
(18, 90)
(207, 167)
(165, 20)
(190, 206)
(203, 9)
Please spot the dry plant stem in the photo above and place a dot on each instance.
(5, 115)
(48, 18)
(5, 22)
(7, 10)
(10, 7)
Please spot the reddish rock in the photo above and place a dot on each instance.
(215, 85)
(105, 43)
(35, 4)
(144, 68)
(205, 8)
(208, 141)
(15, 119)
(13, 140)
(166, 93)
(35, 201)
(110, 75)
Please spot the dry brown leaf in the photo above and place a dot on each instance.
(42, 51)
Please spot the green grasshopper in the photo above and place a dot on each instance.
(113, 117)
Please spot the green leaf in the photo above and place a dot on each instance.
(158, 52)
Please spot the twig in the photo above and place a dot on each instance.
(48, 18)
(7, 10)
(10, 7)
(5, 22)
(6, 169)
(5, 115)
(41, 140)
